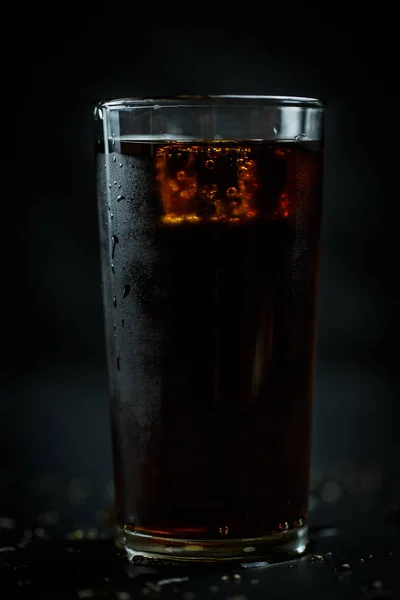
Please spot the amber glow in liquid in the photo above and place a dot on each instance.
(217, 245)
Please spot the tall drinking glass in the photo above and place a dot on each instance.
(209, 212)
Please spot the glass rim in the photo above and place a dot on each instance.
(157, 102)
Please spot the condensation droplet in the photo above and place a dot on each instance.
(181, 175)
(298, 138)
(112, 216)
(115, 301)
(209, 164)
(123, 322)
(115, 327)
(118, 365)
(112, 139)
(275, 129)
(185, 195)
(114, 159)
(112, 267)
(126, 291)
(179, 155)
(224, 530)
(115, 182)
(120, 165)
(109, 186)
(120, 197)
(330, 492)
(170, 155)
(98, 113)
(114, 241)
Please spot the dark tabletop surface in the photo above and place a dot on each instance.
(341, 564)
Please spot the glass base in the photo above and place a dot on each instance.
(275, 547)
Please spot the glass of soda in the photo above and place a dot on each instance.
(209, 212)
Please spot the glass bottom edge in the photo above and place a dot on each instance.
(276, 547)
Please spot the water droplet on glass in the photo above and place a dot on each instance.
(378, 585)
(109, 186)
(361, 561)
(123, 322)
(120, 197)
(120, 165)
(275, 129)
(119, 186)
(114, 159)
(112, 267)
(315, 558)
(115, 327)
(209, 164)
(113, 139)
(179, 155)
(112, 216)
(98, 113)
(224, 530)
(115, 301)
(126, 291)
(298, 138)
(114, 241)
(181, 175)
(118, 365)
(115, 182)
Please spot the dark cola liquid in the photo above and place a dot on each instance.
(210, 255)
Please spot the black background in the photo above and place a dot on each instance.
(55, 450)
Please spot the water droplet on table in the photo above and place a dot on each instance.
(315, 558)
